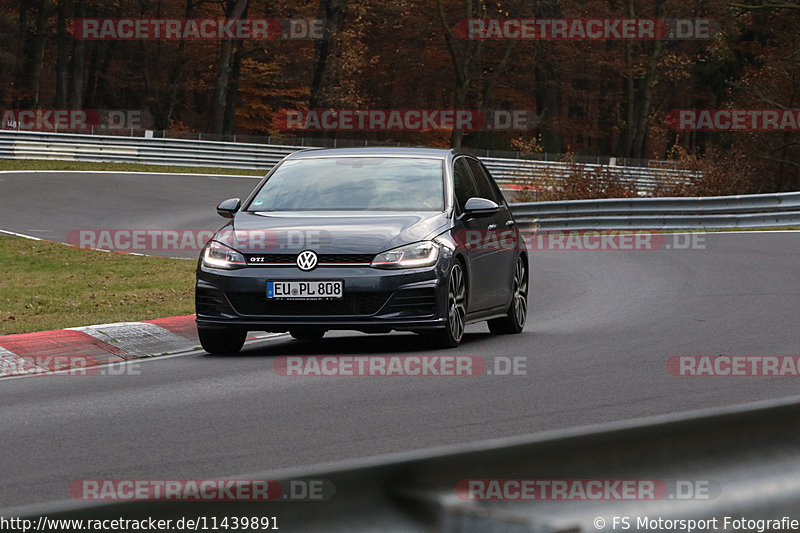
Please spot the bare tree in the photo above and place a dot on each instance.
(233, 9)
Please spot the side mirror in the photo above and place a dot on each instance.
(480, 207)
(227, 208)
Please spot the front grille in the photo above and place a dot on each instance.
(322, 258)
(346, 258)
(418, 301)
(365, 303)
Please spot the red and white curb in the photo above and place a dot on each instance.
(47, 351)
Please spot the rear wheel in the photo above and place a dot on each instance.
(307, 334)
(514, 321)
(456, 313)
(221, 341)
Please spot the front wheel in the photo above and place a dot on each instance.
(514, 321)
(221, 341)
(456, 313)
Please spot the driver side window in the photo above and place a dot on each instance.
(465, 187)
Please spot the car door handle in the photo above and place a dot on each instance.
(491, 226)
(510, 223)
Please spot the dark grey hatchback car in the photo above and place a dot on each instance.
(370, 239)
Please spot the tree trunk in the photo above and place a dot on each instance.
(75, 92)
(646, 99)
(460, 102)
(547, 79)
(322, 49)
(235, 9)
(62, 62)
(22, 43)
(490, 82)
(465, 56)
(177, 74)
(34, 71)
(626, 140)
(233, 93)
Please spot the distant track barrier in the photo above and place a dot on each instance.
(779, 209)
(755, 210)
(186, 152)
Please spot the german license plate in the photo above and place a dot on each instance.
(305, 290)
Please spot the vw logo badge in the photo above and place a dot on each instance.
(307, 260)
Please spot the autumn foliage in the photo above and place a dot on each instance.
(593, 97)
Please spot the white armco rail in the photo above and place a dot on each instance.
(184, 152)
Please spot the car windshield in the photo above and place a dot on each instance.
(354, 184)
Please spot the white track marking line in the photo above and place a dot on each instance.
(191, 174)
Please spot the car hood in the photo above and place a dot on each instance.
(329, 232)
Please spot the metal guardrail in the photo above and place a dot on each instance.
(93, 148)
(745, 458)
(185, 152)
(605, 214)
(756, 210)
(645, 178)
(338, 142)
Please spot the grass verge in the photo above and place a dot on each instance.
(48, 285)
(33, 164)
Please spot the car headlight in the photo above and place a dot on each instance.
(217, 255)
(419, 254)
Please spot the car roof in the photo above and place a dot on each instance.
(438, 153)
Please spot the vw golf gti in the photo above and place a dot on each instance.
(369, 239)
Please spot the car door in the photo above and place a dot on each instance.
(501, 237)
(482, 282)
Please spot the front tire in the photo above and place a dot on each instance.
(221, 341)
(456, 312)
(514, 321)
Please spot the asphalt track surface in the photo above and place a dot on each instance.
(601, 328)
(49, 205)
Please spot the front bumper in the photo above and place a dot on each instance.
(374, 300)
